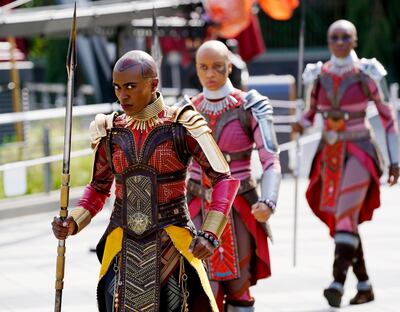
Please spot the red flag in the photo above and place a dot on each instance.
(250, 40)
(279, 9)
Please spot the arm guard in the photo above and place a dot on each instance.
(392, 143)
(223, 194)
(375, 70)
(270, 181)
(185, 114)
(82, 218)
(262, 112)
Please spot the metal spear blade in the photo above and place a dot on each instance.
(71, 56)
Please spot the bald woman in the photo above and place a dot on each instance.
(240, 121)
(344, 179)
(151, 254)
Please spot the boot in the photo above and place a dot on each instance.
(344, 254)
(364, 288)
(363, 296)
(333, 294)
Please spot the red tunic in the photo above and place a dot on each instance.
(164, 159)
(352, 96)
(232, 138)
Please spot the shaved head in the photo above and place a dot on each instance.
(343, 25)
(139, 59)
(212, 47)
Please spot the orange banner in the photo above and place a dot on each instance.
(279, 9)
(230, 16)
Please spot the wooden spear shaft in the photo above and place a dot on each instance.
(65, 178)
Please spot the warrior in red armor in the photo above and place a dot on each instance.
(344, 179)
(151, 253)
(240, 122)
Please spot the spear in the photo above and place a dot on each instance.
(299, 95)
(156, 52)
(65, 177)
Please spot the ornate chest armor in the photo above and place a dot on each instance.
(139, 211)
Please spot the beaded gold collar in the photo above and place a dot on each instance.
(148, 117)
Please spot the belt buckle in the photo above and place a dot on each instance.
(331, 137)
(138, 223)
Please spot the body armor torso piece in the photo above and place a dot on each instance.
(150, 196)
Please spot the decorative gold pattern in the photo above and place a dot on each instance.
(148, 117)
(197, 126)
(215, 223)
(82, 217)
(139, 210)
(138, 222)
(140, 277)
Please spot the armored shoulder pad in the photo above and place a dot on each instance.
(372, 68)
(311, 72)
(194, 122)
(99, 126)
(254, 98)
(176, 110)
(263, 113)
(185, 114)
(258, 103)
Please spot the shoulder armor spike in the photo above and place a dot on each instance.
(311, 72)
(372, 68)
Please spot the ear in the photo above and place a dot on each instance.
(154, 85)
(229, 68)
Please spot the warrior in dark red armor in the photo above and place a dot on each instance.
(151, 253)
(241, 122)
(344, 179)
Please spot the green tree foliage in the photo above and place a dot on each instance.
(378, 25)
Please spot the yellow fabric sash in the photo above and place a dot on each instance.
(181, 238)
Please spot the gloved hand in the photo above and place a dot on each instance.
(393, 174)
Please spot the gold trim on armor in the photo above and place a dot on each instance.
(215, 223)
(197, 126)
(82, 218)
(148, 117)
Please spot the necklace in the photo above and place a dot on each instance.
(341, 66)
(216, 107)
(148, 117)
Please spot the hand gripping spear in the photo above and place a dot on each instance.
(64, 196)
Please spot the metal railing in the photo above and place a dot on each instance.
(282, 124)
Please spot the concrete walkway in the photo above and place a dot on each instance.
(28, 253)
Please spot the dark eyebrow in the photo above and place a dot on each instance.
(125, 84)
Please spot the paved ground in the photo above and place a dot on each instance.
(28, 252)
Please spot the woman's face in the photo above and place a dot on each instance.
(212, 68)
(133, 91)
(341, 41)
